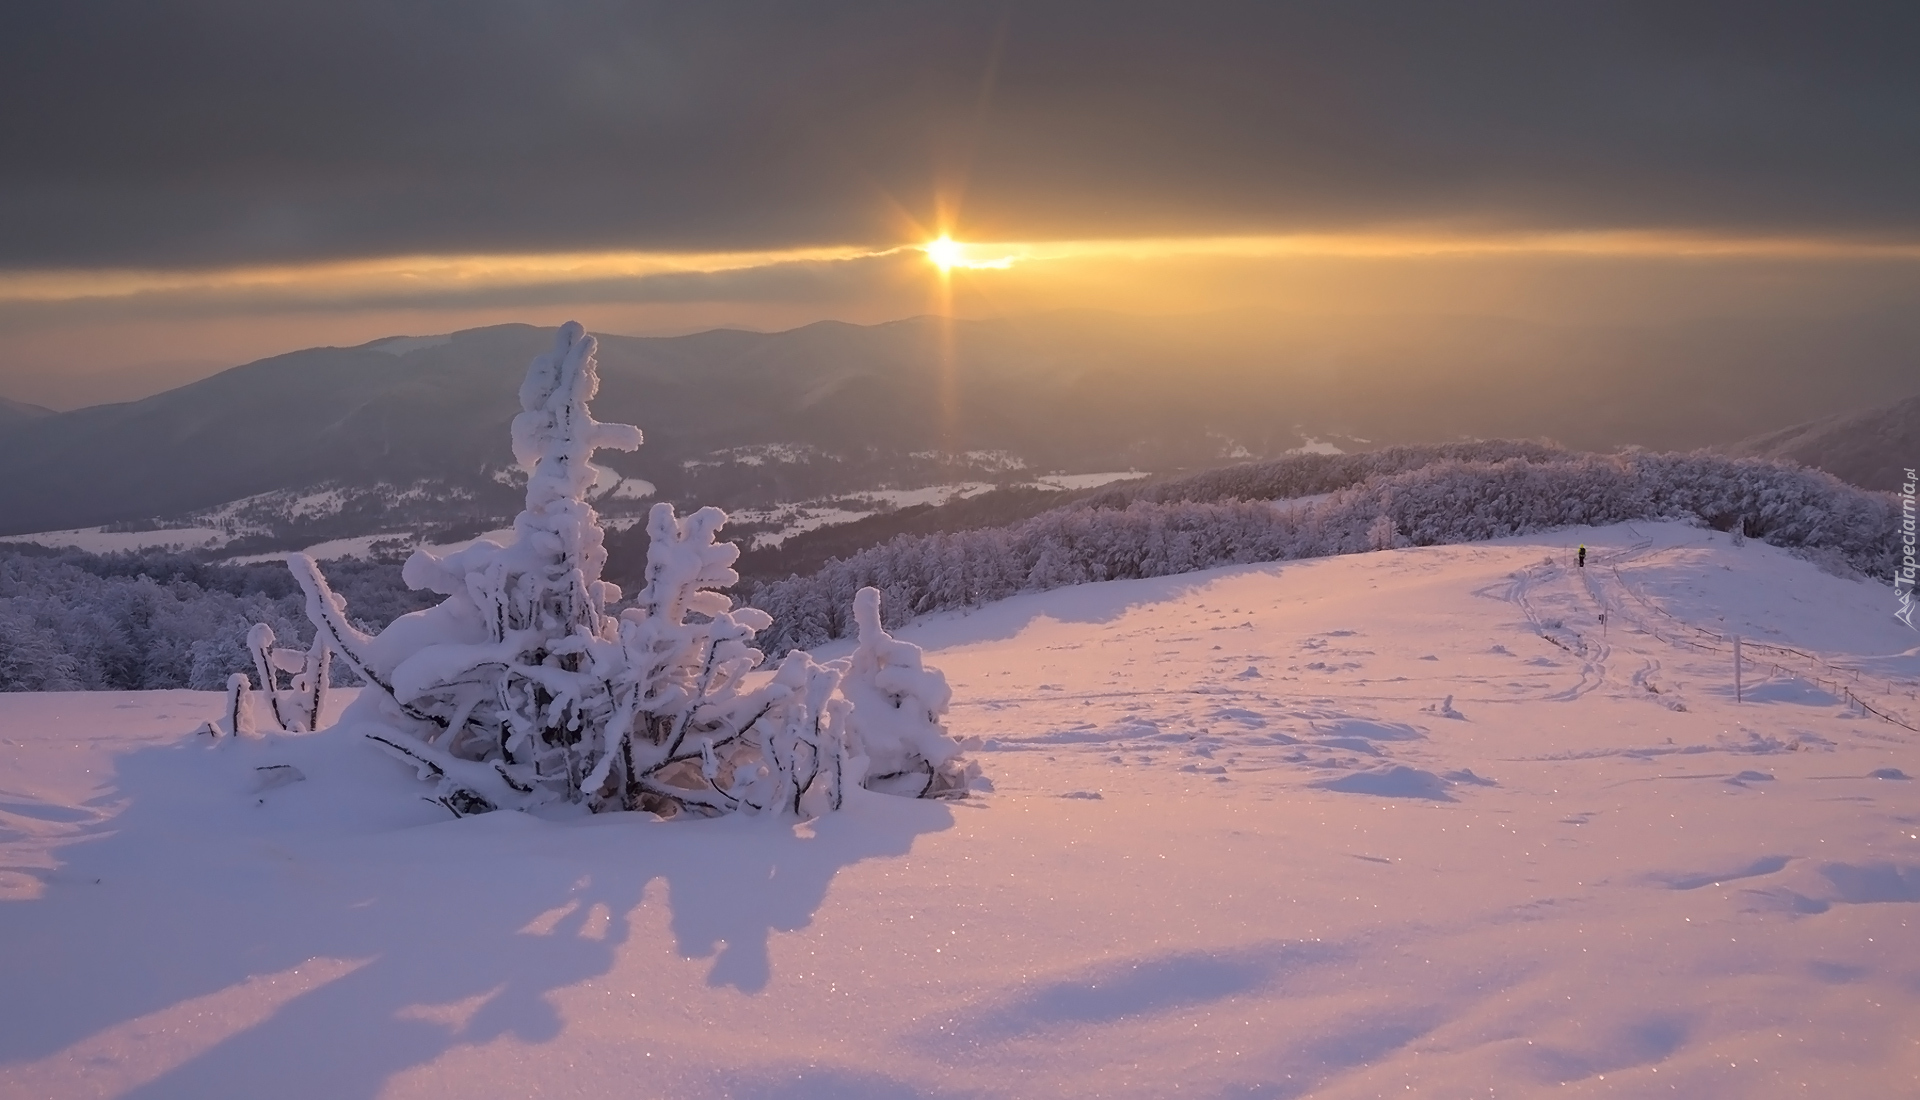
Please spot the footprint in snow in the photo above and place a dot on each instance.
(1241, 715)
(1765, 865)
(1351, 744)
(1337, 725)
(1869, 883)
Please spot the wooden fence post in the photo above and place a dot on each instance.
(1738, 696)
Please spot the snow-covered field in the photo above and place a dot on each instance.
(99, 540)
(1240, 846)
(362, 547)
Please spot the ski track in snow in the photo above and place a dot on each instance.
(1238, 845)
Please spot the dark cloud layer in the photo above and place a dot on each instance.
(173, 133)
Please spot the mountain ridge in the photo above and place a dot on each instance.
(1871, 448)
(745, 419)
(13, 412)
(868, 399)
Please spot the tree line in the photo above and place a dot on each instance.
(1403, 496)
(70, 620)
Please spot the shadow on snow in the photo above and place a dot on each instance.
(200, 883)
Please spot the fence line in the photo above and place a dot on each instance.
(1840, 683)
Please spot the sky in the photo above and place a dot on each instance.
(187, 186)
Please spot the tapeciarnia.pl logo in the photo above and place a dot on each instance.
(1903, 576)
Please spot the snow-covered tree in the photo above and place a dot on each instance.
(525, 687)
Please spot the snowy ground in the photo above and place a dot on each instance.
(1237, 849)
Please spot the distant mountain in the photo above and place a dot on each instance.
(1871, 448)
(18, 412)
(332, 443)
(731, 417)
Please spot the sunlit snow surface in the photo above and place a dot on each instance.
(1236, 849)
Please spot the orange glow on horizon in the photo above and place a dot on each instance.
(401, 278)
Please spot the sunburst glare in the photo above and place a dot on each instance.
(947, 254)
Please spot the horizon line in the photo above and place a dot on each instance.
(409, 274)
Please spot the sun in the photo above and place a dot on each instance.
(945, 252)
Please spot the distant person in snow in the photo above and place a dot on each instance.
(1583, 555)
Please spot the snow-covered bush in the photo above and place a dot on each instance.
(525, 687)
(895, 707)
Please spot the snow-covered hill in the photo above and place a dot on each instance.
(1402, 823)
